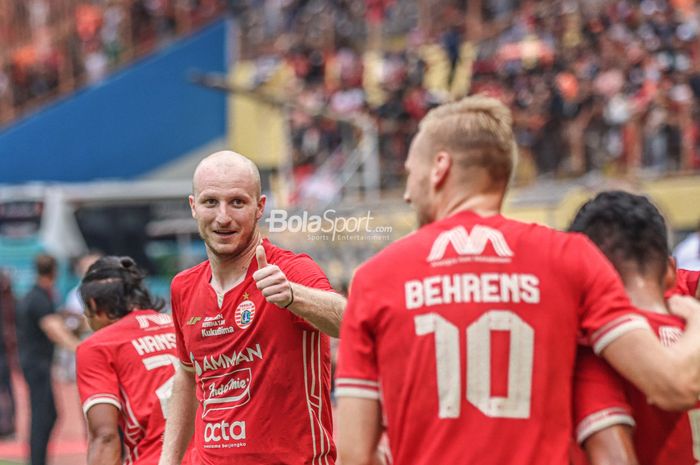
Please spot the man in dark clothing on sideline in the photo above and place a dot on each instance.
(39, 328)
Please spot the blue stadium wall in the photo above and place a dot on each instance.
(134, 121)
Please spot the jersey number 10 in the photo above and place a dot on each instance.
(447, 354)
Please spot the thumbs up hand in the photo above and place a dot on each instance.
(273, 283)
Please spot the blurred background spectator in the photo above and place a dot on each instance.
(50, 47)
(606, 87)
(8, 359)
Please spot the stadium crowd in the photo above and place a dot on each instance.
(52, 47)
(594, 86)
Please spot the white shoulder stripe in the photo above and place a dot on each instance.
(606, 337)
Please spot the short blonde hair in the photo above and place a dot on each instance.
(478, 131)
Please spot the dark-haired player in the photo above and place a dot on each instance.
(631, 232)
(125, 369)
(464, 333)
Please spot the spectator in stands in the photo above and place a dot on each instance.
(39, 328)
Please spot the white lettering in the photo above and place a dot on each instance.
(469, 287)
(215, 432)
(159, 342)
(414, 294)
(432, 290)
(277, 222)
(530, 287)
(210, 362)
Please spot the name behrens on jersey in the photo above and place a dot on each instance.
(471, 287)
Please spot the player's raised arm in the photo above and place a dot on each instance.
(179, 425)
(104, 445)
(322, 308)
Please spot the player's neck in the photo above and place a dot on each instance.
(646, 294)
(229, 271)
(483, 204)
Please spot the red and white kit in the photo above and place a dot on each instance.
(466, 331)
(686, 283)
(130, 364)
(602, 399)
(262, 373)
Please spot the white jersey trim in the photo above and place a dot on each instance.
(608, 333)
(357, 392)
(100, 399)
(357, 381)
(600, 420)
(189, 369)
(311, 354)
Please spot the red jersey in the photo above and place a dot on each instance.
(130, 364)
(468, 329)
(686, 283)
(262, 373)
(603, 399)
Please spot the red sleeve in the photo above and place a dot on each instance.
(182, 353)
(357, 374)
(686, 283)
(605, 312)
(302, 269)
(599, 396)
(97, 380)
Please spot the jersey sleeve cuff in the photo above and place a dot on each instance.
(616, 328)
(187, 367)
(101, 399)
(355, 387)
(600, 420)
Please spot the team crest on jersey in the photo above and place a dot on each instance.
(245, 312)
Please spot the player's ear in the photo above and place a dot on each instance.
(441, 166)
(670, 275)
(190, 199)
(261, 207)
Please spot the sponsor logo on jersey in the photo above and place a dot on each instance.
(193, 321)
(223, 434)
(245, 312)
(469, 246)
(222, 361)
(215, 326)
(226, 391)
(157, 319)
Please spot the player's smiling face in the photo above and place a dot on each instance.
(227, 209)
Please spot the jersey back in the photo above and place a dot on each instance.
(130, 364)
(466, 331)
